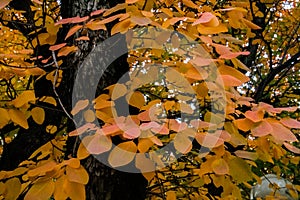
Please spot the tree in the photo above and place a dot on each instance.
(198, 96)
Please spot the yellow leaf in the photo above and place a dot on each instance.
(13, 189)
(220, 166)
(243, 124)
(131, 1)
(75, 191)
(122, 154)
(80, 105)
(121, 27)
(23, 98)
(82, 151)
(239, 170)
(190, 4)
(38, 115)
(4, 119)
(49, 100)
(73, 30)
(78, 175)
(18, 117)
(226, 70)
(246, 154)
(40, 190)
(58, 191)
(95, 25)
(171, 195)
(144, 164)
(51, 129)
(89, 116)
(136, 99)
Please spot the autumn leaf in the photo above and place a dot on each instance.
(4, 119)
(220, 166)
(290, 123)
(40, 190)
(38, 115)
(246, 154)
(18, 117)
(89, 116)
(75, 191)
(73, 30)
(136, 99)
(13, 188)
(263, 128)
(78, 175)
(207, 19)
(122, 154)
(182, 143)
(282, 133)
(292, 148)
(99, 144)
(239, 170)
(80, 105)
(24, 98)
(255, 116)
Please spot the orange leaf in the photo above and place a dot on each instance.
(292, 148)
(97, 12)
(80, 105)
(144, 164)
(89, 116)
(231, 81)
(171, 195)
(99, 144)
(82, 38)
(220, 166)
(136, 99)
(75, 191)
(231, 55)
(73, 30)
(78, 175)
(262, 129)
(18, 117)
(95, 25)
(206, 30)
(121, 27)
(122, 154)
(144, 145)
(66, 50)
(207, 19)
(82, 129)
(255, 116)
(282, 133)
(131, 1)
(182, 143)
(251, 24)
(190, 4)
(40, 190)
(4, 119)
(72, 20)
(38, 115)
(243, 124)
(246, 154)
(58, 46)
(226, 70)
(4, 3)
(291, 123)
(208, 140)
(141, 21)
(13, 188)
(117, 91)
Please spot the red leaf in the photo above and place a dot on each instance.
(261, 129)
(282, 133)
(58, 46)
(255, 116)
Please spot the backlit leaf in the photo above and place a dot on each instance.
(73, 30)
(78, 175)
(136, 99)
(40, 190)
(75, 191)
(255, 116)
(282, 133)
(239, 170)
(122, 154)
(99, 144)
(292, 148)
(290, 123)
(182, 143)
(38, 115)
(89, 116)
(4, 3)
(13, 189)
(23, 98)
(4, 119)
(80, 105)
(18, 117)
(220, 166)
(121, 27)
(207, 19)
(261, 129)
(246, 154)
